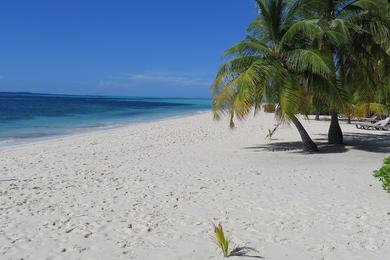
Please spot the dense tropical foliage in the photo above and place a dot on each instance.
(305, 54)
(383, 174)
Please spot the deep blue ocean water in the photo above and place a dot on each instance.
(26, 116)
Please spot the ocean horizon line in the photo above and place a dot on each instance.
(99, 95)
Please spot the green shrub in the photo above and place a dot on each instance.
(384, 174)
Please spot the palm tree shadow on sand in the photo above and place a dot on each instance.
(295, 147)
(244, 252)
(369, 142)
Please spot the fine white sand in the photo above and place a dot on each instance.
(153, 191)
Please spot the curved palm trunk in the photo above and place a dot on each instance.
(335, 135)
(308, 145)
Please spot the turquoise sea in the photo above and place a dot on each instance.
(25, 116)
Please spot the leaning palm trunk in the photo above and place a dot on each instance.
(308, 145)
(335, 135)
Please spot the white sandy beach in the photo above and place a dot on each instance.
(153, 191)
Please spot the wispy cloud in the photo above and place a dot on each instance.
(1, 77)
(174, 79)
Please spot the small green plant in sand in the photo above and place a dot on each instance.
(223, 243)
(222, 240)
(271, 132)
(384, 174)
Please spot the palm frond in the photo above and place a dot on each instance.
(305, 28)
(308, 60)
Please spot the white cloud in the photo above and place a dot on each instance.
(174, 79)
(106, 83)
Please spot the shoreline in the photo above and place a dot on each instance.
(36, 140)
(153, 191)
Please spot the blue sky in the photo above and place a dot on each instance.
(157, 48)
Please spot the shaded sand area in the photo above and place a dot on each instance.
(152, 191)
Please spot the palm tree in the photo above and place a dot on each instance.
(353, 33)
(270, 66)
(366, 58)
